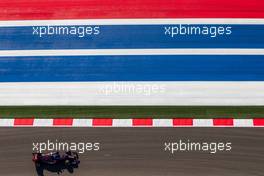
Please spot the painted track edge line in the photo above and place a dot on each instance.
(134, 122)
(129, 52)
(132, 21)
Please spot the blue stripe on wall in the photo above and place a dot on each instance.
(132, 36)
(132, 68)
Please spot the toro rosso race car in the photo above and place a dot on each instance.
(67, 160)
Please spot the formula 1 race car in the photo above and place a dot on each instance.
(69, 159)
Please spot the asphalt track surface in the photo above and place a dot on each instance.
(139, 151)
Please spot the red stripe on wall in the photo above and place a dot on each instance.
(102, 122)
(142, 122)
(223, 122)
(63, 122)
(23, 122)
(183, 122)
(258, 122)
(81, 9)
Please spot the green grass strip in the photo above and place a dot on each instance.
(200, 112)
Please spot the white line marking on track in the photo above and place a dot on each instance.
(146, 21)
(128, 52)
